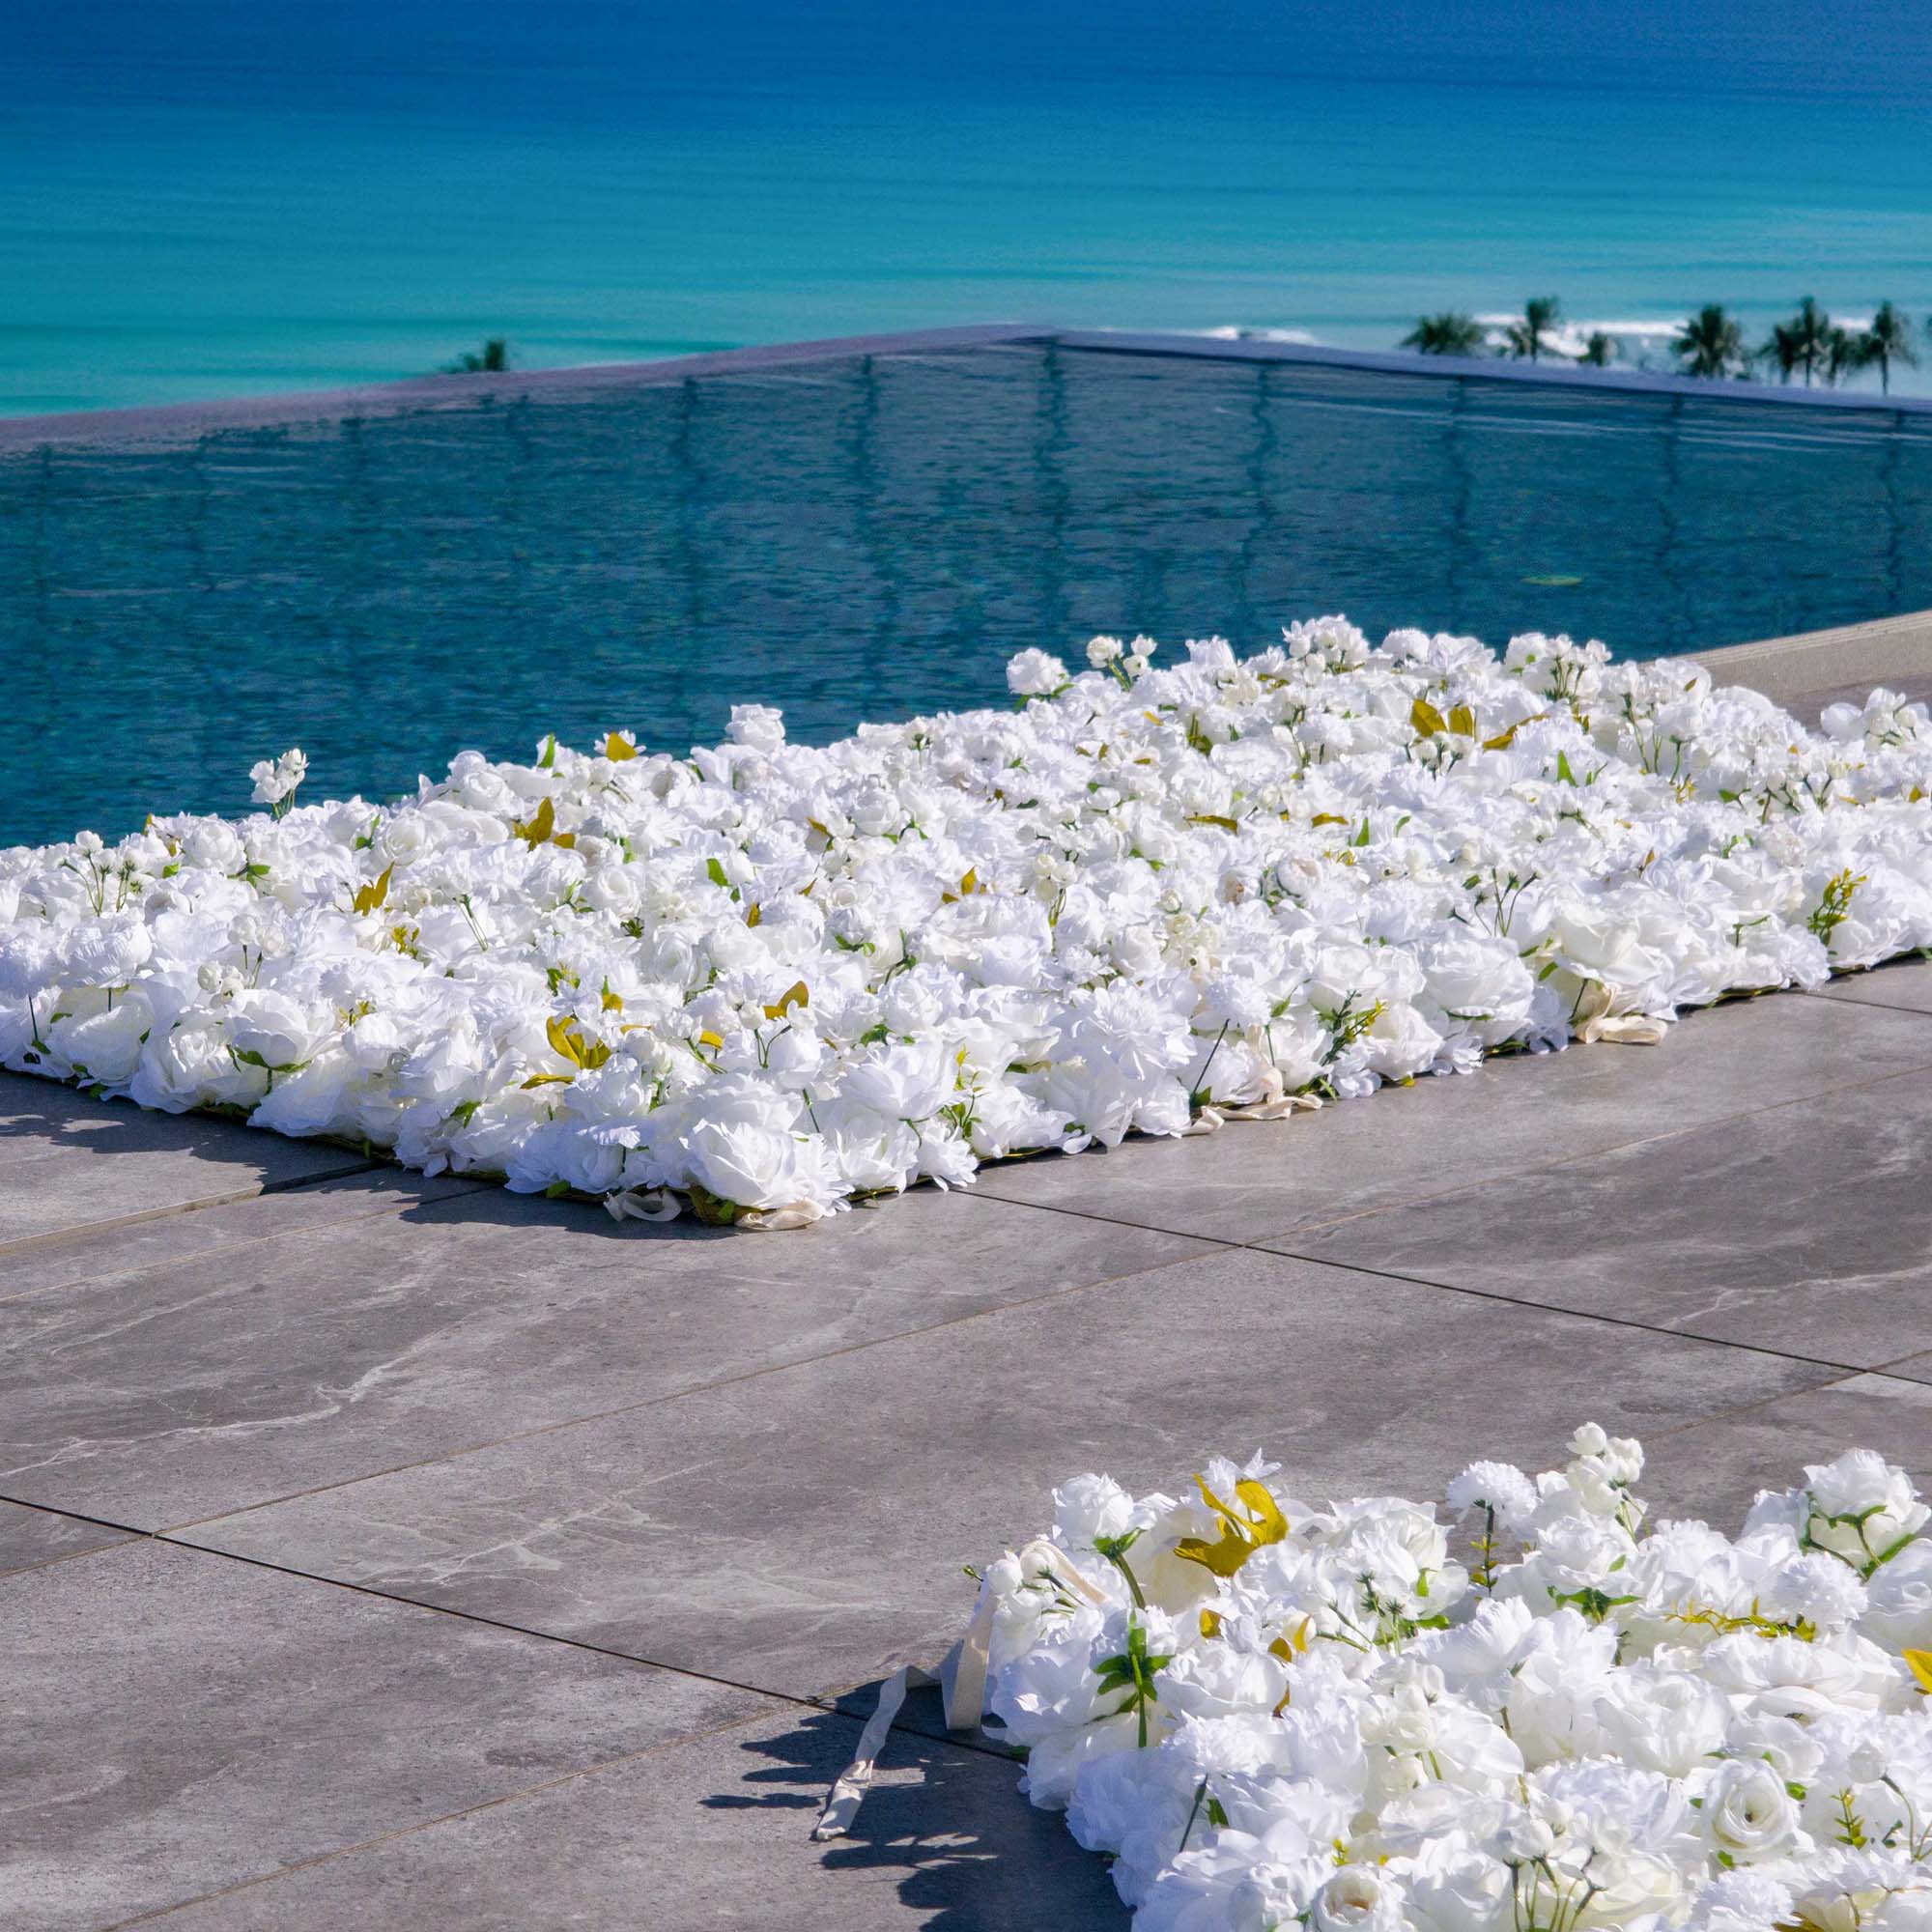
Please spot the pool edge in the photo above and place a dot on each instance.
(1881, 649)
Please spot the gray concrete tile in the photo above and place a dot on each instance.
(805, 1531)
(1806, 1229)
(1254, 1182)
(215, 1237)
(1903, 984)
(1715, 1469)
(55, 1175)
(715, 1833)
(275, 1366)
(178, 1723)
(30, 1537)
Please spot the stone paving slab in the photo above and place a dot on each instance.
(1806, 1229)
(805, 1531)
(179, 1723)
(159, 1397)
(713, 1834)
(1904, 984)
(216, 1238)
(1253, 1182)
(31, 1537)
(53, 1180)
(1728, 1458)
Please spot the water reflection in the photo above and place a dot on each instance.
(869, 538)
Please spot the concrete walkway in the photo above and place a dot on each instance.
(388, 1553)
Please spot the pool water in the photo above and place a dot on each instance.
(868, 538)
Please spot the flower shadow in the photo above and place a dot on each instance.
(968, 1851)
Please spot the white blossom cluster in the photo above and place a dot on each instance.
(1273, 1716)
(771, 978)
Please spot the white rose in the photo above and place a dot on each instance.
(759, 727)
(105, 1047)
(1749, 1813)
(1358, 1899)
(1035, 674)
(272, 1029)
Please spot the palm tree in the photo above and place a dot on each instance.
(495, 356)
(1710, 344)
(1781, 350)
(1449, 333)
(1600, 351)
(1888, 340)
(1802, 343)
(1845, 355)
(1523, 338)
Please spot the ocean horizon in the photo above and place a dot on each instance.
(233, 201)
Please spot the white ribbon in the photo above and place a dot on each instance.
(1593, 1021)
(961, 1679)
(644, 1204)
(659, 1204)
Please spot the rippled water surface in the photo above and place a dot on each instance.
(867, 539)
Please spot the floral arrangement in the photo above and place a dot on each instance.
(769, 979)
(1271, 1716)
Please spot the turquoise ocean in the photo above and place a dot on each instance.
(207, 198)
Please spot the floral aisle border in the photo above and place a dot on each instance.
(767, 979)
(1270, 1716)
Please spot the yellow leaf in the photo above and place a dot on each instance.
(1210, 1623)
(1503, 740)
(1212, 818)
(1242, 1535)
(709, 1039)
(612, 1002)
(755, 916)
(971, 882)
(538, 827)
(1327, 818)
(569, 1044)
(1289, 1648)
(369, 897)
(1919, 1663)
(617, 748)
(794, 995)
(1426, 719)
(564, 1043)
(1463, 721)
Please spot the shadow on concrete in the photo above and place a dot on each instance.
(970, 1854)
(51, 1118)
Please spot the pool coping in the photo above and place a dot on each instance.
(171, 421)
(1881, 650)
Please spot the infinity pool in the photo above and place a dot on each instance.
(865, 538)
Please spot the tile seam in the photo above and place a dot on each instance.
(243, 1245)
(382, 1839)
(710, 1387)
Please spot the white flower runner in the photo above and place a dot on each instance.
(1273, 1715)
(768, 980)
